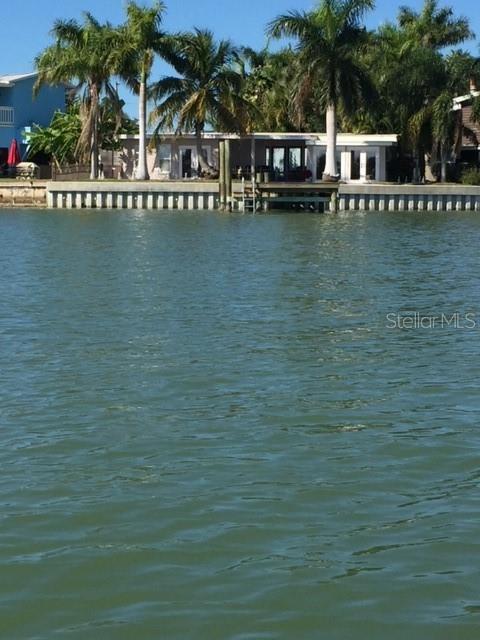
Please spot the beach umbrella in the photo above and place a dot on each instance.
(13, 157)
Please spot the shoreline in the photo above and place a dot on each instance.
(204, 195)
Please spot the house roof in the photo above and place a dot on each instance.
(459, 100)
(308, 138)
(10, 80)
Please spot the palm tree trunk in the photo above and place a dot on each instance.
(94, 133)
(430, 162)
(443, 169)
(142, 171)
(330, 161)
(94, 115)
(94, 155)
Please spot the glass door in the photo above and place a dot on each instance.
(186, 162)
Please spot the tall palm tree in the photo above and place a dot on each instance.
(425, 34)
(329, 42)
(433, 27)
(82, 54)
(140, 39)
(207, 90)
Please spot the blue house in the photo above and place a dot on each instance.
(19, 109)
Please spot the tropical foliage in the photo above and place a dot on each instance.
(332, 74)
(330, 42)
(59, 141)
(207, 89)
(82, 54)
(139, 40)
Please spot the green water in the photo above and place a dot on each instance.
(209, 431)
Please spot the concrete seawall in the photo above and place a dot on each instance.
(193, 195)
(133, 195)
(391, 197)
(23, 193)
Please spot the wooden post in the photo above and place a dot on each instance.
(221, 178)
(333, 202)
(252, 171)
(228, 176)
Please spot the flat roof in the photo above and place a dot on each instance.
(382, 139)
(8, 81)
(459, 100)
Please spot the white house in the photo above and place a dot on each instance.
(279, 156)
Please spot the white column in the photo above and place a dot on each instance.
(331, 151)
(346, 165)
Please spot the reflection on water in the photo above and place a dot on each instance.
(209, 431)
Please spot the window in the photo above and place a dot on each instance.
(294, 158)
(164, 158)
(206, 154)
(278, 160)
(371, 165)
(355, 166)
(320, 165)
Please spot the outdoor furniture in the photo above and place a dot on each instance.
(26, 170)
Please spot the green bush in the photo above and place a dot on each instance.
(471, 176)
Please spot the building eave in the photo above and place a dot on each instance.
(459, 100)
(343, 139)
(9, 80)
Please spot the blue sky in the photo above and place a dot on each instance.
(25, 25)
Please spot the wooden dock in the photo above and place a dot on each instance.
(301, 196)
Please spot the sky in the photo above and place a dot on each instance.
(25, 24)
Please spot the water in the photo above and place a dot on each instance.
(208, 429)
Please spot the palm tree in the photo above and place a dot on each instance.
(270, 80)
(432, 27)
(425, 34)
(329, 42)
(140, 39)
(207, 90)
(82, 54)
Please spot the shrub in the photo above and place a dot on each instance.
(471, 176)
